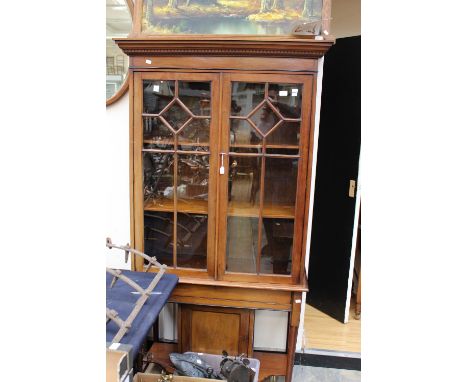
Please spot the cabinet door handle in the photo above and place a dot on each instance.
(221, 169)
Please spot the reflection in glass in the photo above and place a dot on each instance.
(242, 244)
(192, 233)
(155, 131)
(279, 150)
(265, 119)
(197, 131)
(287, 98)
(280, 182)
(158, 180)
(176, 116)
(243, 214)
(118, 24)
(279, 200)
(244, 185)
(245, 96)
(192, 177)
(286, 134)
(276, 252)
(196, 96)
(159, 236)
(157, 95)
(242, 133)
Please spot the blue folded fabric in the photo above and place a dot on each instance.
(122, 298)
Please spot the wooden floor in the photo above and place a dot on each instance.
(326, 333)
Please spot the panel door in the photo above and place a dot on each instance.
(175, 160)
(212, 329)
(263, 176)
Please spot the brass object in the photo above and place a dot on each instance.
(165, 377)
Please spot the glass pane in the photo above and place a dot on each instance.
(279, 150)
(192, 233)
(197, 132)
(244, 186)
(262, 17)
(278, 214)
(158, 181)
(157, 95)
(176, 116)
(159, 145)
(245, 97)
(242, 244)
(280, 187)
(159, 236)
(193, 175)
(243, 135)
(155, 131)
(286, 134)
(287, 98)
(276, 252)
(265, 119)
(243, 212)
(196, 96)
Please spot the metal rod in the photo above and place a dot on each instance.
(118, 274)
(144, 293)
(113, 315)
(139, 305)
(127, 248)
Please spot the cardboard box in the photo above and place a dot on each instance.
(143, 377)
(117, 366)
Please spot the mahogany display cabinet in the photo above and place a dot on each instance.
(221, 142)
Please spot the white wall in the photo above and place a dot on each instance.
(117, 175)
(346, 18)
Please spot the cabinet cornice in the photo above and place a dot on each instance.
(225, 46)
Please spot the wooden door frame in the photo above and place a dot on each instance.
(136, 145)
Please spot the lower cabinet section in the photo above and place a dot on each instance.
(188, 323)
(212, 329)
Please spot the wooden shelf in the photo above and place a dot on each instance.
(248, 210)
(274, 146)
(196, 206)
(170, 142)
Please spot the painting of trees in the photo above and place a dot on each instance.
(278, 4)
(265, 6)
(308, 8)
(204, 2)
(269, 5)
(245, 16)
(149, 10)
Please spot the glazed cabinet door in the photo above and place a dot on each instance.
(263, 176)
(175, 141)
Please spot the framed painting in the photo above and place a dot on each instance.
(231, 17)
